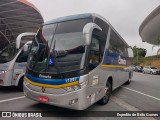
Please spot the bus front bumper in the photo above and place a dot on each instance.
(77, 100)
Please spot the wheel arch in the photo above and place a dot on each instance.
(110, 80)
(19, 77)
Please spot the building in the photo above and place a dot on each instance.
(149, 30)
(17, 16)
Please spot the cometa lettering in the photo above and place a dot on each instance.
(43, 76)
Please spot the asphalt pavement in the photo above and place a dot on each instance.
(143, 94)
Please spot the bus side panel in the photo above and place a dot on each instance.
(19, 68)
(96, 89)
(6, 76)
(105, 73)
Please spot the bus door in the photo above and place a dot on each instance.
(20, 63)
(94, 60)
(23, 44)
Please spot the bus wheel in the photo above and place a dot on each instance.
(105, 99)
(129, 79)
(128, 82)
(20, 84)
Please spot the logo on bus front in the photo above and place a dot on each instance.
(45, 76)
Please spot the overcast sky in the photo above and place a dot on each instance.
(124, 15)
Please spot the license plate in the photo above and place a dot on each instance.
(43, 99)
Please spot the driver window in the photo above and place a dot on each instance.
(97, 47)
(94, 56)
(94, 51)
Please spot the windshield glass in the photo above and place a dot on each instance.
(40, 48)
(153, 68)
(57, 49)
(8, 53)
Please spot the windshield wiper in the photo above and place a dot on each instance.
(54, 57)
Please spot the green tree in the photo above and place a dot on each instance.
(138, 55)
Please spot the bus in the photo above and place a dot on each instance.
(76, 61)
(13, 60)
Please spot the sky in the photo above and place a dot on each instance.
(125, 15)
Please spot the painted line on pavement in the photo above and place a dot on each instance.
(141, 93)
(16, 98)
(129, 107)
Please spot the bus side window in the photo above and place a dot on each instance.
(117, 50)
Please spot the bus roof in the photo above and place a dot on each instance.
(68, 18)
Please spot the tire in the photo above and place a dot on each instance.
(20, 84)
(151, 73)
(105, 99)
(143, 72)
(129, 79)
(128, 82)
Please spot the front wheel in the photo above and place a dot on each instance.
(128, 82)
(129, 79)
(151, 73)
(105, 99)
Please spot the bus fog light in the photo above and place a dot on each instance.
(83, 84)
(69, 89)
(76, 87)
(26, 83)
(73, 101)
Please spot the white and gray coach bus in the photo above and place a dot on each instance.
(76, 61)
(13, 60)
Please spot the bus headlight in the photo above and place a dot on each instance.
(83, 84)
(76, 87)
(3, 71)
(69, 89)
(72, 88)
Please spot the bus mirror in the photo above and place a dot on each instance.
(25, 48)
(19, 38)
(87, 31)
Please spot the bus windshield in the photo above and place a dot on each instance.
(8, 53)
(57, 49)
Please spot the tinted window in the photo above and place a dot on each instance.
(8, 53)
(117, 53)
(72, 26)
(117, 45)
(153, 68)
(102, 24)
(102, 40)
(96, 49)
(45, 34)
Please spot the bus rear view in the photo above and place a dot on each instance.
(67, 63)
